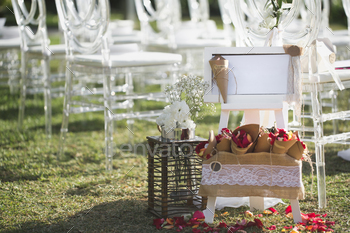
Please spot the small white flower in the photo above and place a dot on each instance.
(188, 124)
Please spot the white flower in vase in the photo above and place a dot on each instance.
(188, 124)
(176, 112)
(181, 111)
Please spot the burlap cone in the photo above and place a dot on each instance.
(252, 130)
(224, 145)
(296, 151)
(262, 144)
(281, 147)
(219, 66)
(239, 151)
(211, 145)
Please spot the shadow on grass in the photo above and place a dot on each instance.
(118, 216)
(76, 126)
(11, 176)
(334, 164)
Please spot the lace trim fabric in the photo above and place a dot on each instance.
(294, 86)
(255, 175)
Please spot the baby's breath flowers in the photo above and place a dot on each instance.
(191, 89)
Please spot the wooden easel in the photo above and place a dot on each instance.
(250, 103)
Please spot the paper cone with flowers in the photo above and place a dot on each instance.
(263, 143)
(224, 140)
(281, 141)
(204, 149)
(220, 142)
(298, 149)
(243, 138)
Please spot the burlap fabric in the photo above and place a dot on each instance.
(267, 175)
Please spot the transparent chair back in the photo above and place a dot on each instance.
(166, 15)
(246, 13)
(32, 24)
(90, 18)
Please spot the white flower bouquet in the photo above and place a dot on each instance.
(176, 115)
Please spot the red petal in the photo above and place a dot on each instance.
(259, 224)
(158, 222)
(273, 210)
(198, 215)
(222, 225)
(271, 228)
(200, 146)
(245, 142)
(288, 210)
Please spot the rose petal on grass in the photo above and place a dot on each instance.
(248, 214)
(222, 225)
(288, 209)
(268, 212)
(225, 213)
(170, 221)
(198, 215)
(274, 211)
(158, 222)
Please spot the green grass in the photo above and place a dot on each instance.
(40, 194)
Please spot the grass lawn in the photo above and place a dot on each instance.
(40, 194)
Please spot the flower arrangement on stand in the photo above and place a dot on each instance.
(191, 89)
(187, 105)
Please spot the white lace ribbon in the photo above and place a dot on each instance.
(253, 175)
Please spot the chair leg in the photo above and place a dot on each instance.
(108, 117)
(296, 210)
(66, 110)
(130, 122)
(319, 147)
(209, 212)
(108, 140)
(47, 97)
(23, 91)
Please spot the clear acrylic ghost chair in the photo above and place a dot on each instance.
(174, 35)
(36, 54)
(95, 57)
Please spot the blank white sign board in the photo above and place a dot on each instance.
(258, 72)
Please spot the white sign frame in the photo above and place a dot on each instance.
(260, 96)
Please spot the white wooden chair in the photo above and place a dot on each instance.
(260, 80)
